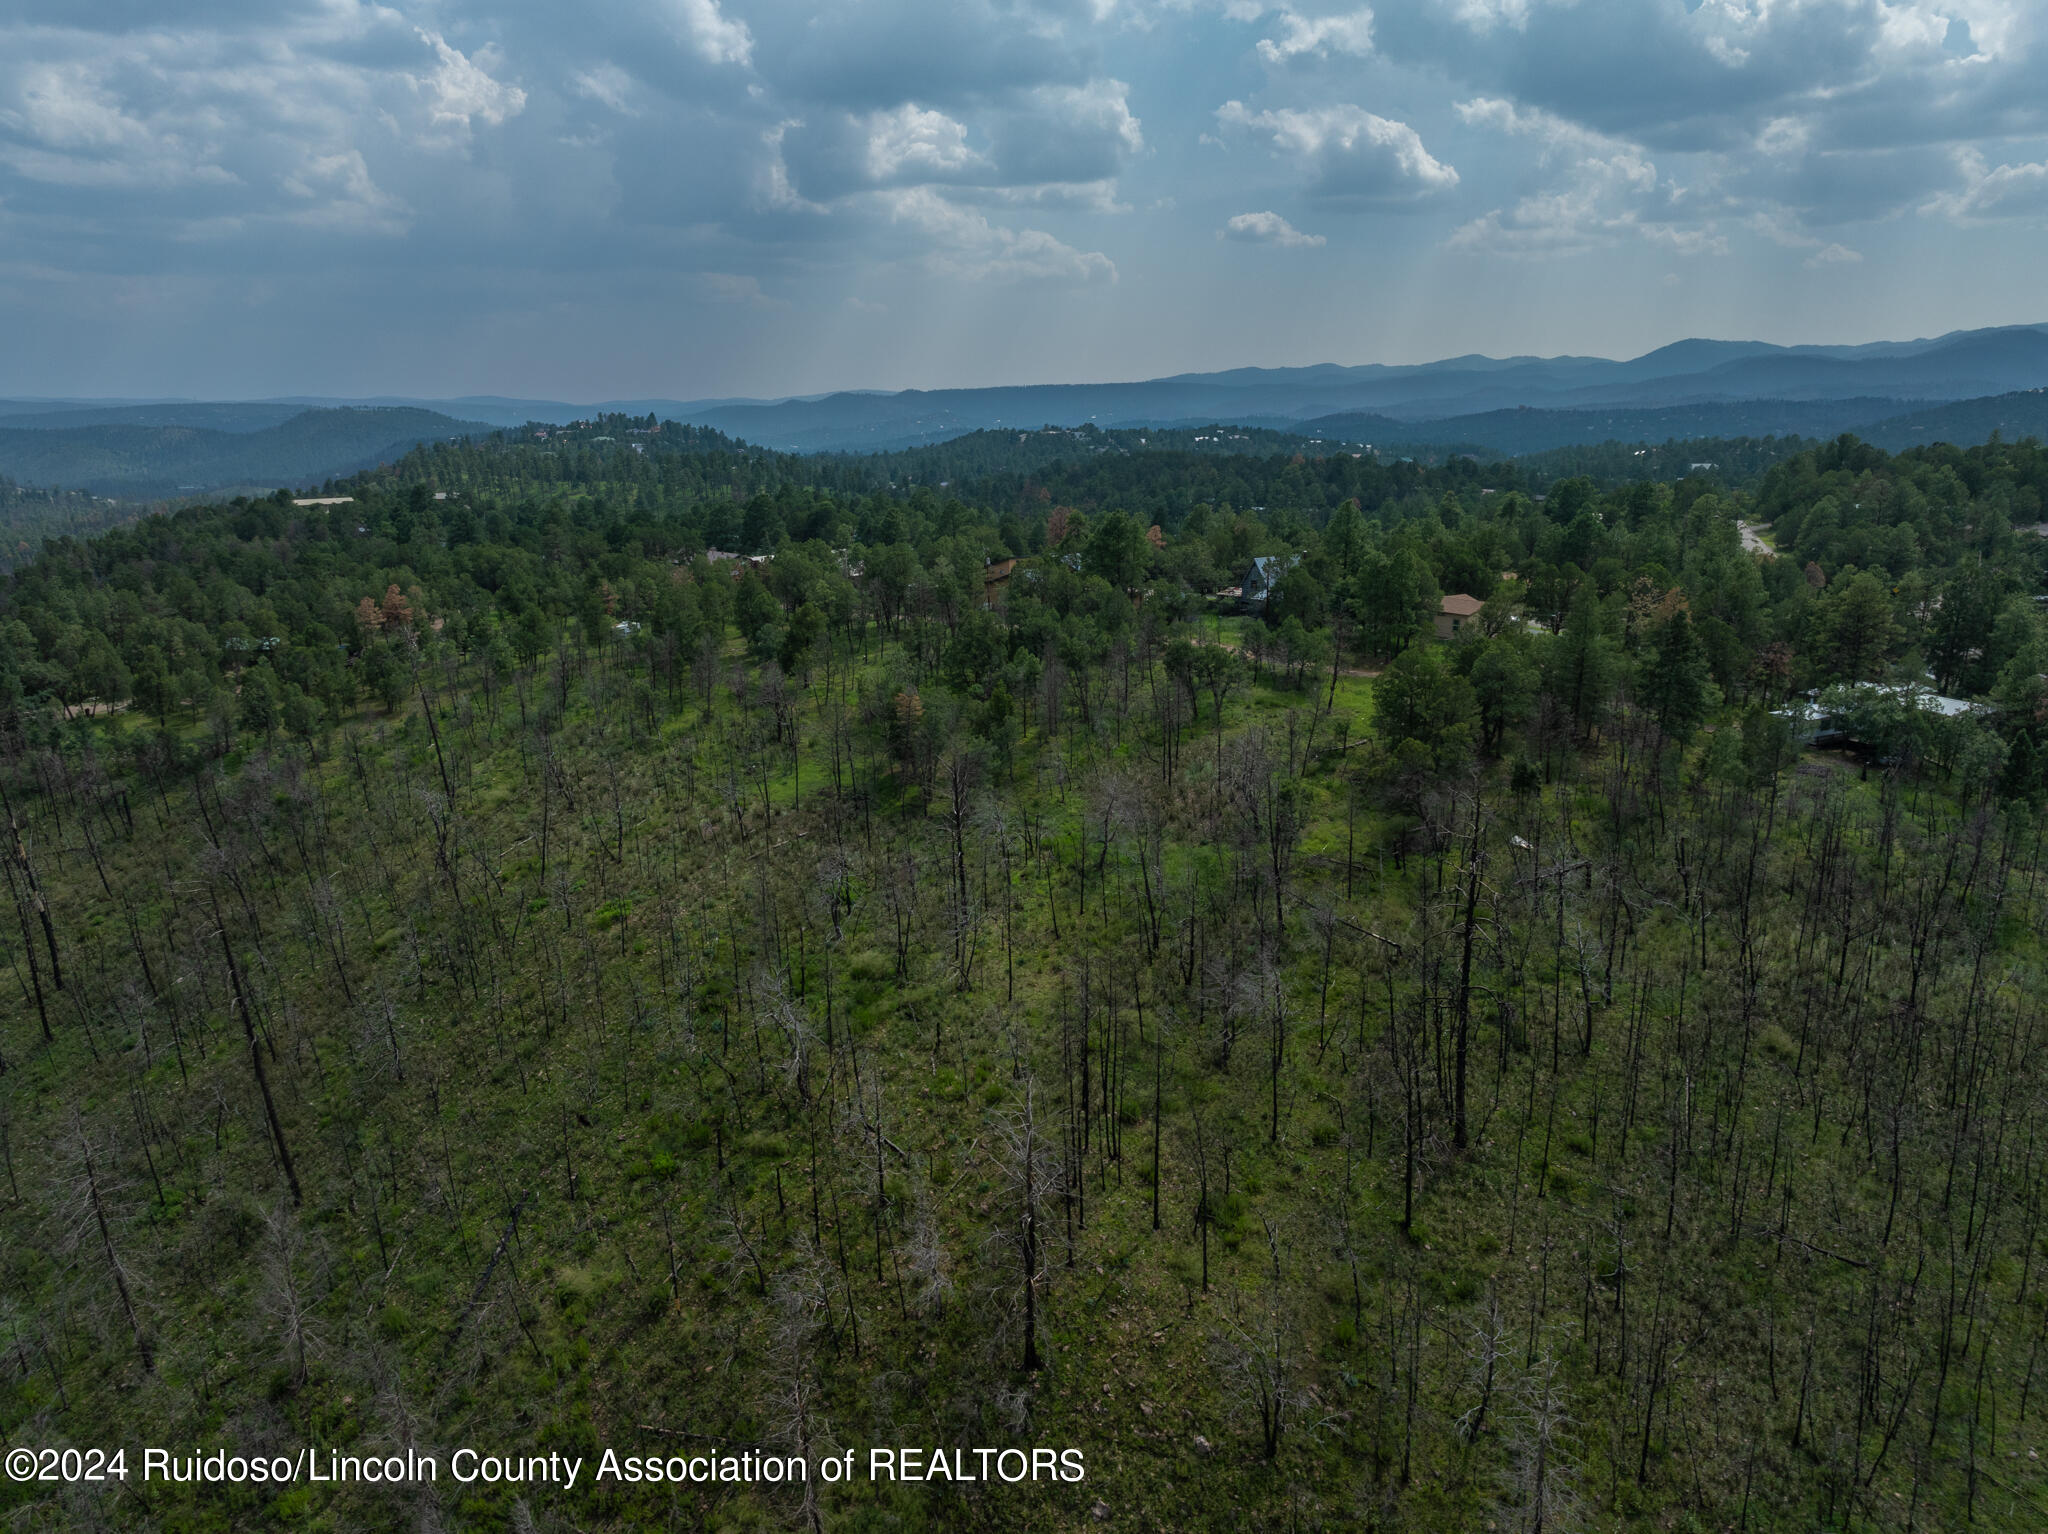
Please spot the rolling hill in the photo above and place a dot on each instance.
(128, 459)
(1966, 422)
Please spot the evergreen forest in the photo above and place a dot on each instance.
(608, 938)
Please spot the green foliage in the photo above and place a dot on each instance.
(1394, 598)
(1505, 682)
(1421, 701)
(660, 1022)
(1675, 684)
(262, 704)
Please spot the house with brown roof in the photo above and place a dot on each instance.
(1454, 612)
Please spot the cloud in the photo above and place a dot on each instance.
(1267, 229)
(340, 195)
(1485, 15)
(911, 139)
(471, 155)
(608, 85)
(1556, 134)
(1685, 239)
(461, 89)
(1066, 134)
(963, 243)
(1320, 36)
(1783, 136)
(68, 127)
(1780, 227)
(327, 120)
(1050, 145)
(1603, 189)
(777, 190)
(1992, 192)
(1354, 155)
(1760, 86)
(714, 38)
(1833, 255)
(1075, 196)
(837, 155)
(967, 54)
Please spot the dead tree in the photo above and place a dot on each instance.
(1030, 1166)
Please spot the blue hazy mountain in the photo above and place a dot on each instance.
(233, 417)
(1691, 374)
(1528, 430)
(1515, 404)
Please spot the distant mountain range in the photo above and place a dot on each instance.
(153, 457)
(1958, 386)
(1695, 381)
(1516, 432)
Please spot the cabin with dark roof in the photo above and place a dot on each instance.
(1263, 576)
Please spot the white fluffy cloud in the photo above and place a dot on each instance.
(1353, 155)
(1600, 190)
(1989, 192)
(912, 141)
(714, 37)
(1485, 15)
(68, 126)
(1267, 229)
(461, 90)
(963, 243)
(197, 136)
(1320, 36)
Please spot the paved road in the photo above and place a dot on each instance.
(1751, 542)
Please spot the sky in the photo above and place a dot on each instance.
(713, 198)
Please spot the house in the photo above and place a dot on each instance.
(1263, 576)
(1829, 724)
(995, 575)
(1454, 612)
(741, 563)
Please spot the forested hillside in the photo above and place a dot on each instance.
(162, 460)
(28, 516)
(2021, 414)
(488, 974)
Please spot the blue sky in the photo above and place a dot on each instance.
(700, 198)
